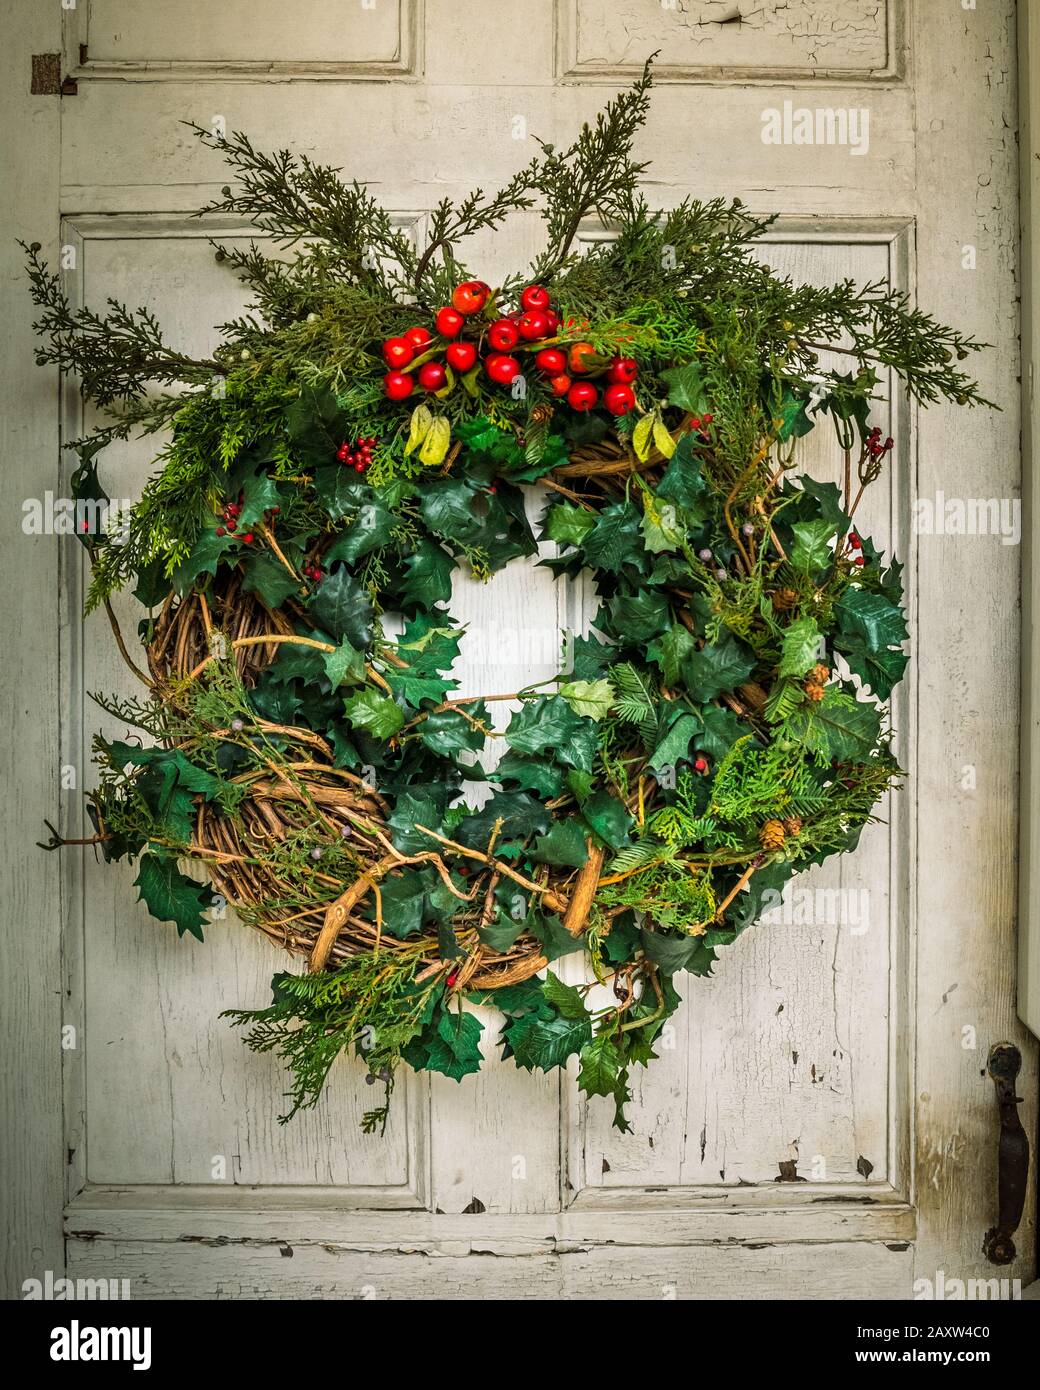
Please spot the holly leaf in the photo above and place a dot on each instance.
(427, 579)
(567, 525)
(717, 668)
(565, 844)
(448, 732)
(675, 742)
(608, 818)
(670, 650)
(811, 551)
(614, 538)
(567, 1000)
(837, 727)
(600, 1066)
(662, 528)
(686, 388)
(683, 483)
(203, 558)
(171, 896)
(500, 934)
(545, 1043)
(259, 494)
(339, 490)
(344, 666)
(592, 699)
(871, 632)
(639, 616)
(792, 418)
(340, 606)
(548, 722)
(268, 577)
(377, 714)
(801, 647)
(369, 531)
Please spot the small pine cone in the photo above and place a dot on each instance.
(793, 825)
(784, 599)
(772, 834)
(820, 674)
(815, 692)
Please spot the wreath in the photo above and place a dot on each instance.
(381, 419)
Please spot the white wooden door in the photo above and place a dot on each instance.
(822, 1125)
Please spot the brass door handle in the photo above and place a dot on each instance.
(1003, 1065)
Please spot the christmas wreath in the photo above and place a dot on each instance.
(371, 426)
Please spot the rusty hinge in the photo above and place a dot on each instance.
(1004, 1064)
(47, 81)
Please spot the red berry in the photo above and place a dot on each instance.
(695, 422)
(582, 396)
(552, 320)
(619, 399)
(221, 531)
(560, 385)
(461, 356)
(359, 466)
(233, 509)
(432, 376)
(859, 560)
(232, 525)
(578, 357)
(417, 337)
(503, 335)
(501, 368)
(623, 370)
(452, 980)
(247, 539)
(342, 452)
(700, 765)
(534, 297)
(470, 297)
(397, 352)
(449, 322)
(708, 419)
(855, 541)
(398, 385)
(533, 325)
(551, 360)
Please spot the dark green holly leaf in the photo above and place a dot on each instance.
(674, 741)
(567, 524)
(548, 723)
(565, 844)
(377, 714)
(683, 484)
(717, 668)
(268, 577)
(556, 940)
(600, 1066)
(674, 953)
(615, 538)
(427, 579)
(670, 650)
(639, 617)
(837, 727)
(521, 815)
(448, 732)
(719, 732)
(370, 529)
(608, 818)
(545, 1043)
(686, 388)
(171, 896)
(589, 658)
(567, 1000)
(206, 554)
(792, 416)
(344, 666)
(530, 774)
(801, 647)
(412, 808)
(811, 551)
(341, 607)
(339, 490)
(500, 934)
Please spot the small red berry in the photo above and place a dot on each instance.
(359, 467)
(461, 356)
(623, 370)
(582, 396)
(221, 531)
(449, 322)
(552, 320)
(708, 419)
(855, 541)
(452, 980)
(560, 385)
(534, 297)
(398, 385)
(551, 360)
(232, 525)
(397, 352)
(417, 337)
(859, 560)
(695, 422)
(619, 399)
(432, 376)
(503, 335)
(247, 539)
(700, 765)
(342, 453)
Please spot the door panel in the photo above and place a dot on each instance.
(782, 1112)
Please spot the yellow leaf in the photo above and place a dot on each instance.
(435, 445)
(662, 438)
(418, 427)
(641, 436)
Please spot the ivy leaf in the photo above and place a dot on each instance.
(344, 666)
(341, 606)
(801, 647)
(566, 999)
(686, 388)
(377, 714)
(592, 699)
(567, 525)
(600, 1066)
(427, 579)
(546, 1042)
(268, 577)
(717, 668)
(171, 896)
(811, 551)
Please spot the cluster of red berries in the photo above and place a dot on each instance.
(857, 545)
(875, 448)
(534, 323)
(358, 456)
(312, 571)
